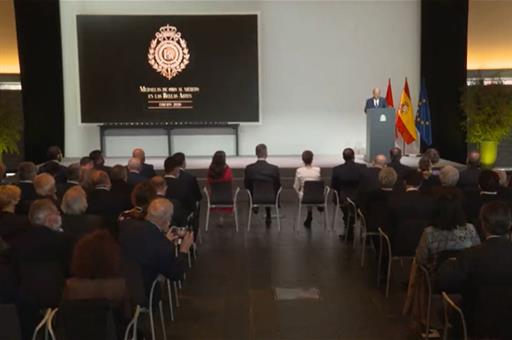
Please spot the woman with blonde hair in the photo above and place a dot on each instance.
(11, 224)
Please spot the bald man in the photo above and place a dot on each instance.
(146, 170)
(376, 101)
(150, 244)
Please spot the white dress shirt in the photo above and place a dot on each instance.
(305, 173)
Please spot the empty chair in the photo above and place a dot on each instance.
(220, 196)
(314, 194)
(263, 195)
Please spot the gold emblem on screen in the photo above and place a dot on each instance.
(168, 53)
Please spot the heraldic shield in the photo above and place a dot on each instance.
(168, 53)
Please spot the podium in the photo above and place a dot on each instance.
(380, 132)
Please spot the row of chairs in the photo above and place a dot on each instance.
(263, 195)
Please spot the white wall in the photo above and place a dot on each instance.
(319, 61)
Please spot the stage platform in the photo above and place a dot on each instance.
(287, 164)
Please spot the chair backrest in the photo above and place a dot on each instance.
(314, 192)
(85, 319)
(42, 283)
(405, 237)
(221, 193)
(10, 329)
(263, 192)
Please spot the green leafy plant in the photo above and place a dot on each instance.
(10, 126)
(488, 112)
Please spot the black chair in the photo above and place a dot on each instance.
(221, 196)
(83, 320)
(10, 329)
(143, 304)
(401, 245)
(339, 199)
(314, 194)
(263, 195)
(364, 235)
(449, 304)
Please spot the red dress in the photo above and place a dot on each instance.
(227, 176)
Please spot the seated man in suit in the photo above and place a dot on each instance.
(73, 178)
(262, 171)
(370, 175)
(26, 173)
(376, 101)
(376, 206)
(489, 184)
(146, 170)
(151, 244)
(45, 187)
(468, 179)
(483, 274)
(101, 201)
(134, 176)
(395, 155)
(119, 186)
(53, 166)
(99, 161)
(179, 217)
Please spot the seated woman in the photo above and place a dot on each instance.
(220, 172)
(449, 232)
(308, 172)
(96, 270)
(429, 179)
(142, 194)
(11, 224)
(74, 219)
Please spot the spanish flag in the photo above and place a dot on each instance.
(405, 122)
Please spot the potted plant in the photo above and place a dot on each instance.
(10, 125)
(488, 113)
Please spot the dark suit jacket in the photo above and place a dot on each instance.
(346, 178)
(376, 210)
(28, 195)
(104, 203)
(468, 179)
(143, 243)
(122, 191)
(473, 201)
(190, 182)
(401, 171)
(11, 225)
(484, 276)
(262, 171)
(63, 187)
(79, 225)
(148, 170)
(370, 105)
(184, 189)
(55, 169)
(134, 179)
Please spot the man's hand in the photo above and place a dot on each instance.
(187, 242)
(171, 236)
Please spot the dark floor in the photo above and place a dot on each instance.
(229, 294)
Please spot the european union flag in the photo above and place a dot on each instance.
(423, 122)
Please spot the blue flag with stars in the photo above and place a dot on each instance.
(423, 122)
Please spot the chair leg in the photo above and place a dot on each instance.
(379, 266)
(169, 293)
(132, 324)
(152, 321)
(235, 214)
(326, 216)
(207, 218)
(363, 252)
(388, 279)
(41, 324)
(298, 217)
(176, 297)
(335, 218)
(249, 217)
(161, 309)
(347, 227)
(278, 217)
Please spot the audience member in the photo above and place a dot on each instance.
(376, 206)
(26, 173)
(188, 180)
(468, 179)
(73, 178)
(101, 201)
(53, 166)
(483, 275)
(86, 163)
(449, 232)
(504, 190)
(179, 217)
(489, 184)
(220, 172)
(433, 156)
(429, 179)
(146, 170)
(308, 172)
(448, 176)
(141, 196)
(395, 155)
(99, 161)
(44, 185)
(150, 244)
(134, 176)
(11, 224)
(262, 171)
(370, 176)
(75, 221)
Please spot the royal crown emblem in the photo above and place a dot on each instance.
(168, 53)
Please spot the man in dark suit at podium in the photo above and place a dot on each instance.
(376, 101)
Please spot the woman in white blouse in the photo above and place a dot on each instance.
(303, 174)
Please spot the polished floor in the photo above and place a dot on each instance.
(230, 293)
